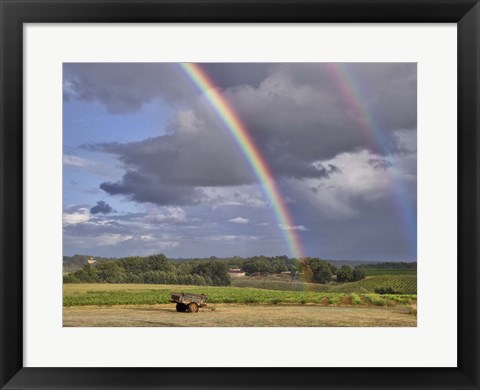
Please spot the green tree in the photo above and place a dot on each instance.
(316, 270)
(110, 272)
(349, 274)
(306, 270)
(322, 273)
(214, 273)
(358, 274)
(344, 274)
(159, 263)
(87, 274)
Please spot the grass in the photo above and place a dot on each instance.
(148, 294)
(413, 309)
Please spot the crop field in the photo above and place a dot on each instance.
(144, 294)
(388, 271)
(402, 284)
(273, 282)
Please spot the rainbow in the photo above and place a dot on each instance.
(351, 93)
(252, 154)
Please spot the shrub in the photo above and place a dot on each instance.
(344, 274)
(386, 290)
(403, 299)
(335, 299)
(377, 300)
(71, 278)
(356, 300)
(349, 274)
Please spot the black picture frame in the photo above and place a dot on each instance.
(14, 13)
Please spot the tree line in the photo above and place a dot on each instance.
(158, 269)
(155, 269)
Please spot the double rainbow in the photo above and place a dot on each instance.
(352, 94)
(252, 154)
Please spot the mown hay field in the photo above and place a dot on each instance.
(236, 315)
(149, 294)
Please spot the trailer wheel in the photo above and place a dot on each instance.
(181, 307)
(192, 307)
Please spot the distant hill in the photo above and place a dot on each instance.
(391, 265)
(375, 264)
(352, 263)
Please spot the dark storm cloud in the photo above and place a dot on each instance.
(122, 87)
(101, 207)
(227, 75)
(297, 115)
(305, 110)
(373, 234)
(389, 91)
(144, 188)
(168, 170)
(191, 160)
(125, 87)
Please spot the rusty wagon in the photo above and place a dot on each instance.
(187, 302)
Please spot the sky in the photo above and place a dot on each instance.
(149, 165)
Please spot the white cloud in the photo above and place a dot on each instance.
(105, 168)
(186, 122)
(110, 239)
(230, 238)
(69, 89)
(105, 239)
(167, 214)
(298, 227)
(239, 220)
(77, 162)
(166, 244)
(77, 215)
(250, 199)
(363, 178)
(245, 195)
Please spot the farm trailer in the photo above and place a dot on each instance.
(187, 302)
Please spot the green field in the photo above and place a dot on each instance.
(388, 271)
(145, 294)
(402, 284)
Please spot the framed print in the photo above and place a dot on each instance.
(205, 218)
(261, 193)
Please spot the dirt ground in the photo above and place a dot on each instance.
(238, 316)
